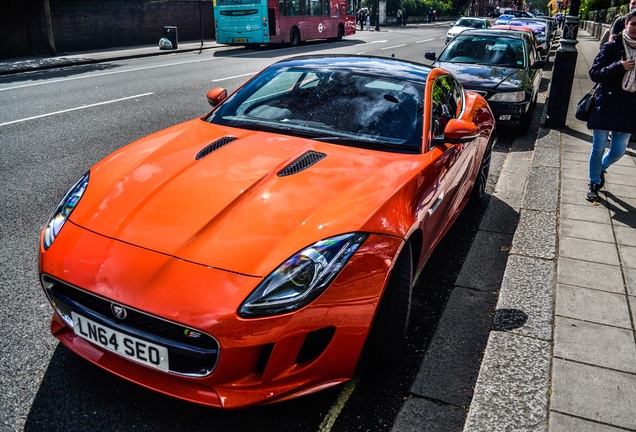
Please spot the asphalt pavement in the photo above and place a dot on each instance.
(561, 342)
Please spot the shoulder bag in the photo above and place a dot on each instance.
(585, 105)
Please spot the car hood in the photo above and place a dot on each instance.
(233, 208)
(487, 78)
(459, 29)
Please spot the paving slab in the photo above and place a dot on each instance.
(595, 344)
(437, 417)
(594, 393)
(628, 255)
(587, 230)
(536, 234)
(512, 390)
(499, 217)
(604, 277)
(528, 287)
(585, 212)
(485, 264)
(588, 250)
(592, 305)
(564, 423)
(542, 189)
(449, 370)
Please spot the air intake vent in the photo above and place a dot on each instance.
(214, 146)
(302, 163)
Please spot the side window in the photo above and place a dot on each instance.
(532, 54)
(447, 103)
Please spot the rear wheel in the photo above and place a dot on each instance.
(294, 37)
(340, 33)
(387, 338)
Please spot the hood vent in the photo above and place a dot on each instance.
(214, 146)
(301, 164)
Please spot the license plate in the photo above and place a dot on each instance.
(240, 40)
(141, 351)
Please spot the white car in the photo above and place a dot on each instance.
(466, 23)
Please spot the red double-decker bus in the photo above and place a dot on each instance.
(255, 22)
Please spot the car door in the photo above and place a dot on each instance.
(452, 162)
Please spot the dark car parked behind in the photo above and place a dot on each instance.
(501, 65)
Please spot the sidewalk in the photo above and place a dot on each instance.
(26, 64)
(571, 366)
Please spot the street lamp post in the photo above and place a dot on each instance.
(563, 71)
(377, 17)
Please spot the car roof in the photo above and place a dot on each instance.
(382, 66)
(493, 32)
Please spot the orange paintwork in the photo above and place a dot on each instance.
(188, 240)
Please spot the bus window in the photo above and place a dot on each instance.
(293, 8)
(315, 7)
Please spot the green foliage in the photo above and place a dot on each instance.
(419, 7)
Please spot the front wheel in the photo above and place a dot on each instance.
(387, 337)
(294, 37)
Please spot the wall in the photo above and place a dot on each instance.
(79, 25)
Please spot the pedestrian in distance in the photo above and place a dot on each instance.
(614, 110)
(619, 23)
(368, 21)
(399, 17)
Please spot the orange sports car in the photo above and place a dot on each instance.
(251, 255)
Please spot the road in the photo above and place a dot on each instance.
(53, 126)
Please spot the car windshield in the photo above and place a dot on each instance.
(492, 51)
(338, 106)
(472, 23)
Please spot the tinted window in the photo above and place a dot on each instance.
(447, 103)
(331, 105)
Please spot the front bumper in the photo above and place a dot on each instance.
(239, 362)
(509, 113)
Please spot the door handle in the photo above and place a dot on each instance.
(437, 202)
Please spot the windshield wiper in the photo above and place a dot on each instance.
(378, 145)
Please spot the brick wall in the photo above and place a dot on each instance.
(79, 25)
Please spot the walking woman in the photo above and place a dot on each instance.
(614, 103)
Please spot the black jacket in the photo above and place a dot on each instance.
(614, 108)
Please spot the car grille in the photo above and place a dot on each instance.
(191, 356)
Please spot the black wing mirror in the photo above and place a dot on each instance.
(430, 55)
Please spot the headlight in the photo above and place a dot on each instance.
(301, 278)
(64, 210)
(518, 96)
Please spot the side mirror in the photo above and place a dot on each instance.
(216, 96)
(538, 64)
(430, 55)
(452, 24)
(458, 132)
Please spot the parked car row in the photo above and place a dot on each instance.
(503, 62)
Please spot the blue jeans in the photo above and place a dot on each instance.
(599, 161)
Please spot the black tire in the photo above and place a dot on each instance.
(526, 120)
(340, 33)
(479, 188)
(387, 338)
(294, 37)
